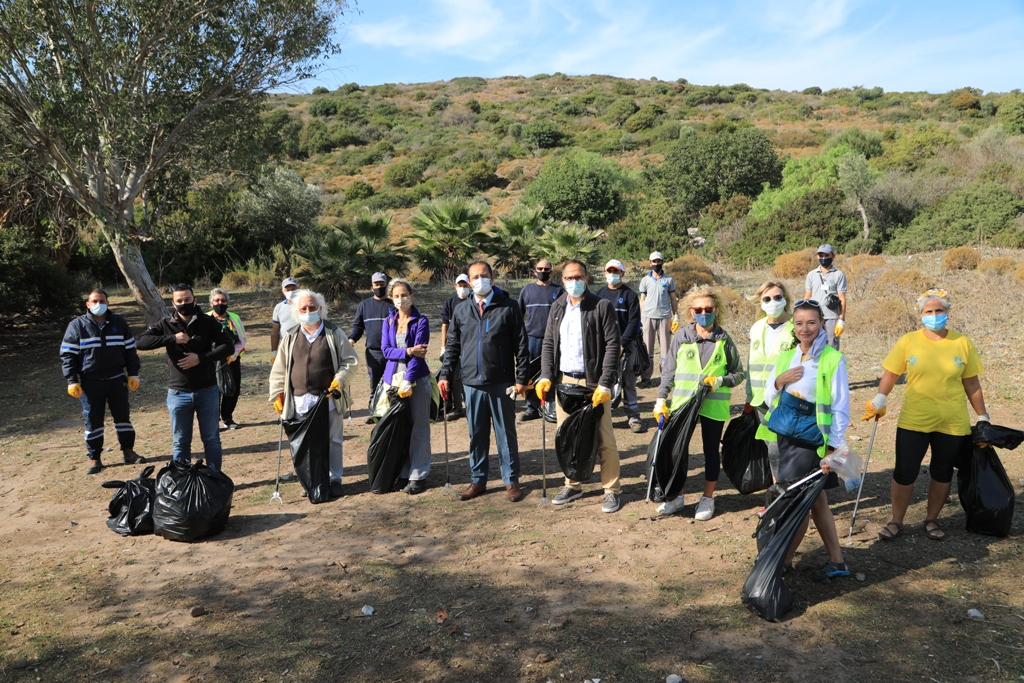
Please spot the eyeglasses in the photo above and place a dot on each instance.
(179, 287)
(777, 297)
(706, 309)
(807, 302)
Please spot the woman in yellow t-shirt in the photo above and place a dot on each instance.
(942, 367)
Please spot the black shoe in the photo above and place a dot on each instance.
(527, 415)
(95, 467)
(400, 484)
(415, 487)
(371, 421)
(336, 491)
(455, 415)
(133, 458)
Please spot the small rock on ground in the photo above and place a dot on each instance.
(556, 623)
(543, 658)
(198, 611)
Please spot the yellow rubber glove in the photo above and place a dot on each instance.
(405, 389)
(334, 386)
(601, 395)
(133, 384)
(871, 412)
(231, 359)
(714, 382)
(840, 327)
(75, 390)
(279, 404)
(675, 324)
(542, 388)
(660, 410)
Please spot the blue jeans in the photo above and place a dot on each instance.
(205, 406)
(96, 395)
(486, 405)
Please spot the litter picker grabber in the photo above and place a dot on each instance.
(650, 474)
(863, 476)
(277, 483)
(543, 462)
(447, 470)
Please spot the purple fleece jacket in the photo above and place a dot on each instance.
(418, 332)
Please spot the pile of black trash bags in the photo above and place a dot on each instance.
(186, 502)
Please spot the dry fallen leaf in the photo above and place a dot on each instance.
(442, 616)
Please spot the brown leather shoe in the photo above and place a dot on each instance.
(515, 492)
(472, 491)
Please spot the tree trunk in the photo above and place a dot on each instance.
(129, 260)
(864, 217)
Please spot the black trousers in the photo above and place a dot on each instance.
(228, 403)
(375, 365)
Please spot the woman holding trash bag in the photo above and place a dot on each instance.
(809, 394)
(232, 324)
(942, 368)
(769, 336)
(313, 357)
(701, 352)
(404, 344)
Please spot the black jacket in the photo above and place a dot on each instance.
(600, 341)
(95, 352)
(209, 341)
(627, 310)
(492, 349)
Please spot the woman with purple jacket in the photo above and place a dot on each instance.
(404, 344)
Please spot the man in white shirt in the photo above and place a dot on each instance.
(283, 321)
(658, 304)
(827, 285)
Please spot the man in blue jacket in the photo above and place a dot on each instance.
(627, 312)
(487, 338)
(535, 301)
(370, 316)
(101, 365)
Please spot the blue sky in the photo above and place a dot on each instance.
(789, 44)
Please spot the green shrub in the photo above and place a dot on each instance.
(314, 138)
(349, 88)
(915, 146)
(971, 214)
(859, 245)
(647, 117)
(473, 106)
(439, 104)
(580, 187)
(1011, 112)
(623, 88)
(403, 174)
(482, 175)
(33, 287)
(965, 101)
(813, 90)
(620, 110)
(358, 190)
(343, 136)
(323, 107)
(868, 142)
(568, 107)
(320, 90)
(543, 134)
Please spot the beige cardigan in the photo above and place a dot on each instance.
(343, 356)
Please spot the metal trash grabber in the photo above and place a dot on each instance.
(447, 470)
(801, 482)
(654, 460)
(277, 484)
(543, 461)
(863, 476)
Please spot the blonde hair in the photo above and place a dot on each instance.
(703, 292)
(772, 284)
(938, 294)
(302, 294)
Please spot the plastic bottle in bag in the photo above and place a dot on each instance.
(846, 464)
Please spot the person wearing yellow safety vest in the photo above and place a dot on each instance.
(701, 352)
(231, 324)
(809, 394)
(769, 337)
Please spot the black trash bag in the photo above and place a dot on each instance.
(389, 444)
(225, 379)
(576, 440)
(625, 360)
(668, 454)
(547, 411)
(309, 440)
(985, 492)
(745, 458)
(994, 435)
(641, 358)
(764, 592)
(192, 501)
(131, 508)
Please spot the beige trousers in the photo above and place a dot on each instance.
(607, 451)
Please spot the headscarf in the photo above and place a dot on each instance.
(940, 294)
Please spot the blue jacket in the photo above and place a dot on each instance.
(95, 352)
(492, 348)
(627, 311)
(370, 316)
(535, 304)
(418, 332)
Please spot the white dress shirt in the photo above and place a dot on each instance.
(571, 339)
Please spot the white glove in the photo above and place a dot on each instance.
(984, 418)
(715, 383)
(441, 357)
(659, 404)
(878, 402)
(405, 389)
(273, 355)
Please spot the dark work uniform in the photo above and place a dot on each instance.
(535, 304)
(627, 313)
(370, 316)
(454, 403)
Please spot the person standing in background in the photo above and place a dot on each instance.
(232, 324)
(827, 285)
(627, 313)
(535, 301)
(370, 316)
(453, 404)
(657, 311)
(283, 322)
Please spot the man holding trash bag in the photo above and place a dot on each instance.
(487, 338)
(101, 366)
(581, 347)
(314, 357)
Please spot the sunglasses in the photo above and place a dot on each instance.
(768, 299)
(807, 302)
(180, 287)
(707, 309)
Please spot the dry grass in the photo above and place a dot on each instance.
(795, 263)
(1000, 265)
(690, 270)
(961, 258)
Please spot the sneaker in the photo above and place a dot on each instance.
(566, 495)
(527, 415)
(133, 458)
(636, 425)
(95, 467)
(232, 425)
(671, 507)
(415, 487)
(705, 509)
(336, 490)
(612, 502)
(455, 415)
(831, 570)
(400, 484)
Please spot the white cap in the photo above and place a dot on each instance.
(656, 256)
(615, 263)
(462, 278)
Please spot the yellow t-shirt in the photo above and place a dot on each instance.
(935, 400)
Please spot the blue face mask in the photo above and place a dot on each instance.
(311, 318)
(575, 288)
(934, 322)
(705, 320)
(98, 309)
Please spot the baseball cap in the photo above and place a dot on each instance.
(289, 281)
(379, 277)
(615, 263)
(462, 278)
(656, 256)
(826, 249)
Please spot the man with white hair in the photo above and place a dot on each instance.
(658, 310)
(283, 322)
(315, 356)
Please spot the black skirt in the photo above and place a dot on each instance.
(796, 462)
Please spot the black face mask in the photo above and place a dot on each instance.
(656, 267)
(825, 262)
(380, 292)
(187, 310)
(544, 277)
(220, 309)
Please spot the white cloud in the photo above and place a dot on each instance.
(468, 28)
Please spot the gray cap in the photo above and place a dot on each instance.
(826, 249)
(289, 281)
(379, 277)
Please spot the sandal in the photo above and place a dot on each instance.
(887, 535)
(936, 533)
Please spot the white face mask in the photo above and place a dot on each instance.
(774, 308)
(575, 288)
(98, 309)
(482, 286)
(311, 318)
(403, 302)
(463, 292)
(290, 294)
(612, 278)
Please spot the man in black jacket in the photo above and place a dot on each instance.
(487, 338)
(194, 343)
(627, 312)
(370, 316)
(581, 346)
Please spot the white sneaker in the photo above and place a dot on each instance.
(705, 509)
(671, 507)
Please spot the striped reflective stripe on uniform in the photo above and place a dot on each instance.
(757, 383)
(759, 367)
(124, 427)
(94, 434)
(70, 348)
(716, 396)
(130, 343)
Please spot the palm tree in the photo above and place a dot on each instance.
(562, 241)
(514, 239)
(449, 232)
(371, 232)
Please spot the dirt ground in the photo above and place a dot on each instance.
(473, 591)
